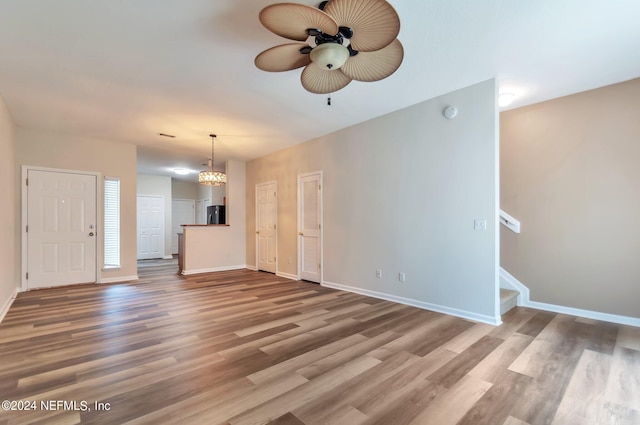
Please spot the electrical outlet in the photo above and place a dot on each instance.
(402, 277)
(479, 224)
(379, 274)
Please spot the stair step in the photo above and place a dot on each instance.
(508, 300)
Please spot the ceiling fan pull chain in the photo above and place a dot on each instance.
(329, 100)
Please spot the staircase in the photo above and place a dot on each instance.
(508, 297)
(508, 300)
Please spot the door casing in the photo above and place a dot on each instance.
(320, 222)
(161, 224)
(24, 259)
(258, 186)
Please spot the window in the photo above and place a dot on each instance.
(111, 223)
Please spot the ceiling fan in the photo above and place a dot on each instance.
(350, 40)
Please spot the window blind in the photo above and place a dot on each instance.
(111, 222)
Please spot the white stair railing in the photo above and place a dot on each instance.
(510, 222)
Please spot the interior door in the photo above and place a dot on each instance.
(266, 218)
(200, 214)
(310, 226)
(61, 228)
(182, 212)
(205, 216)
(150, 227)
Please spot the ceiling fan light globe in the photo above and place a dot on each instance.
(329, 56)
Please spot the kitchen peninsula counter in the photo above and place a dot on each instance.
(204, 248)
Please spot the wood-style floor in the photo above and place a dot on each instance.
(246, 347)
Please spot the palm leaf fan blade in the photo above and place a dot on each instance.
(320, 81)
(375, 23)
(282, 58)
(290, 20)
(374, 66)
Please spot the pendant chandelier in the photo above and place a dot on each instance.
(212, 178)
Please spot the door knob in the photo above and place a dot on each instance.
(300, 233)
(90, 233)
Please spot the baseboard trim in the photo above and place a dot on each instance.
(588, 314)
(287, 275)
(419, 304)
(168, 257)
(254, 268)
(7, 304)
(525, 301)
(119, 279)
(214, 269)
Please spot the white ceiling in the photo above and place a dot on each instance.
(127, 70)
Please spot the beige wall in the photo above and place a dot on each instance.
(401, 193)
(236, 196)
(159, 186)
(218, 195)
(570, 172)
(111, 159)
(9, 281)
(184, 190)
(215, 193)
(187, 190)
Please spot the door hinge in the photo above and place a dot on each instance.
(274, 226)
(27, 229)
(319, 187)
(27, 276)
(319, 227)
(27, 182)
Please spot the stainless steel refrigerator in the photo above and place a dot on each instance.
(215, 214)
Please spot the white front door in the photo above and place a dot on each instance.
(266, 218)
(310, 226)
(61, 228)
(150, 227)
(182, 212)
